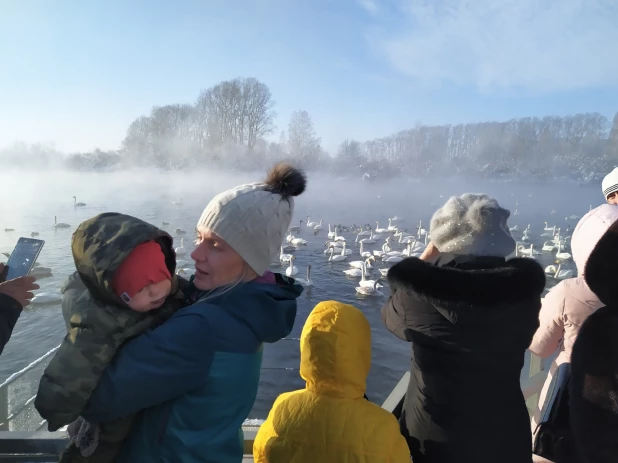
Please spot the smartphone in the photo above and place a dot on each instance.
(23, 257)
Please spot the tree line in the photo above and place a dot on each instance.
(229, 124)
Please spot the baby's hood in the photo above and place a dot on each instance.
(335, 350)
(589, 231)
(101, 244)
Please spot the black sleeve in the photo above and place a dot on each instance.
(10, 310)
(394, 314)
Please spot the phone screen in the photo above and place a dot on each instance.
(23, 257)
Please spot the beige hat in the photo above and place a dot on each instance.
(254, 218)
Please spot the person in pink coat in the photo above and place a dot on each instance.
(570, 302)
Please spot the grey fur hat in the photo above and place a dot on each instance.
(473, 225)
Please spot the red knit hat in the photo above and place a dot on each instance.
(144, 266)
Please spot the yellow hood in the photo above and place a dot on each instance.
(335, 350)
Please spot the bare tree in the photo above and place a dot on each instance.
(303, 143)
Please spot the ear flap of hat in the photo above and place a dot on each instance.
(602, 267)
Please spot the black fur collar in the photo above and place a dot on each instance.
(515, 280)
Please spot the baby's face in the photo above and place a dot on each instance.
(151, 297)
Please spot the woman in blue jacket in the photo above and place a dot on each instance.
(196, 376)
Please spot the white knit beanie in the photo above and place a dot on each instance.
(610, 183)
(254, 218)
(473, 225)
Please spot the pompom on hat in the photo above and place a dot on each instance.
(253, 218)
(473, 225)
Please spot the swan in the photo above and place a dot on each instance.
(178, 231)
(181, 251)
(288, 248)
(298, 241)
(369, 290)
(291, 270)
(392, 259)
(165, 223)
(185, 271)
(296, 228)
(310, 223)
(563, 274)
(364, 254)
(549, 246)
(41, 271)
(548, 228)
(562, 255)
(391, 227)
(514, 228)
(46, 298)
(338, 237)
(331, 234)
(284, 258)
(527, 252)
(76, 204)
(33, 234)
(306, 283)
(180, 263)
(9, 229)
(384, 271)
(525, 236)
(366, 283)
(360, 263)
(380, 230)
(370, 240)
(356, 272)
(318, 227)
(60, 224)
(421, 230)
(337, 257)
(177, 203)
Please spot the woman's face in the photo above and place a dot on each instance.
(216, 263)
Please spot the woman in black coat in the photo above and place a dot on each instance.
(470, 315)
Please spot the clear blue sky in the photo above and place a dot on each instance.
(76, 73)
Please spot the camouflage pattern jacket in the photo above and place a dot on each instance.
(99, 322)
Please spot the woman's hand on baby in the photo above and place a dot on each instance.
(19, 289)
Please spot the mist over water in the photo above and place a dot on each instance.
(32, 200)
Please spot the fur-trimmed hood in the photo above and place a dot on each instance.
(512, 281)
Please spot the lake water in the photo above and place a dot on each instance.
(30, 203)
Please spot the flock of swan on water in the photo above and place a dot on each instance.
(356, 263)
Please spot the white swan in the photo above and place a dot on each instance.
(284, 258)
(421, 230)
(384, 271)
(310, 223)
(392, 259)
(370, 240)
(338, 237)
(185, 271)
(366, 283)
(391, 227)
(76, 204)
(60, 224)
(177, 203)
(291, 270)
(331, 234)
(337, 257)
(360, 263)
(41, 271)
(298, 241)
(180, 250)
(563, 274)
(364, 254)
(369, 290)
(514, 228)
(380, 230)
(356, 272)
(562, 255)
(180, 263)
(549, 246)
(526, 252)
(318, 227)
(46, 298)
(307, 282)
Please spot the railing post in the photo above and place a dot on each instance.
(4, 408)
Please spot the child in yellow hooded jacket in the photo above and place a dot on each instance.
(330, 421)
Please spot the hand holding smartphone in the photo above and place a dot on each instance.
(23, 257)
